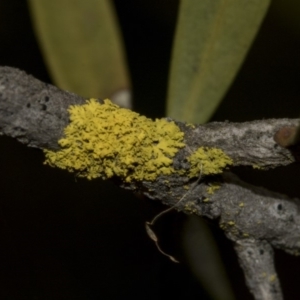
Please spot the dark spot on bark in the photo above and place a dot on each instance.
(279, 206)
(199, 200)
(249, 252)
(28, 105)
(285, 136)
(261, 251)
(44, 107)
(19, 129)
(47, 99)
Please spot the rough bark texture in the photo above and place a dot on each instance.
(253, 218)
(32, 111)
(257, 260)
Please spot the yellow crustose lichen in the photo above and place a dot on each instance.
(211, 160)
(104, 140)
(214, 186)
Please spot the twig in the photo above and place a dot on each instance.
(148, 225)
(257, 260)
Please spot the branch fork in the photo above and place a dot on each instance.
(255, 219)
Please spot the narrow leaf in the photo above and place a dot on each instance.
(212, 39)
(81, 44)
(204, 259)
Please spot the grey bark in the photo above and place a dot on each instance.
(257, 260)
(35, 113)
(31, 111)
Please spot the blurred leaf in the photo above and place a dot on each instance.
(288, 12)
(204, 259)
(81, 44)
(212, 39)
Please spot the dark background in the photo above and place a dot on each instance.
(62, 238)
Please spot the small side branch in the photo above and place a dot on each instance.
(260, 144)
(257, 261)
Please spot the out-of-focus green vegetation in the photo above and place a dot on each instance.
(82, 46)
(212, 39)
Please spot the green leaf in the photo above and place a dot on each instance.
(81, 44)
(211, 41)
(203, 257)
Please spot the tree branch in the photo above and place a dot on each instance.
(257, 260)
(36, 114)
(31, 111)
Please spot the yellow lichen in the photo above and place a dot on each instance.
(104, 140)
(223, 226)
(210, 160)
(231, 223)
(272, 277)
(190, 207)
(212, 188)
(258, 167)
